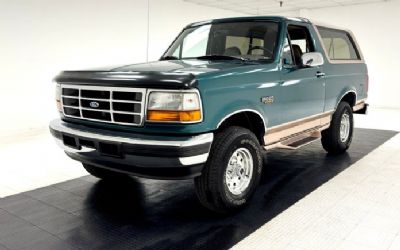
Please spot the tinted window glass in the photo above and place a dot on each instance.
(287, 56)
(243, 44)
(338, 44)
(251, 40)
(301, 42)
(301, 37)
(195, 44)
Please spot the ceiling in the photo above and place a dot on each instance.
(259, 7)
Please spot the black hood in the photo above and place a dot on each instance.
(132, 79)
(161, 74)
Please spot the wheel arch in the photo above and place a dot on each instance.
(247, 118)
(349, 96)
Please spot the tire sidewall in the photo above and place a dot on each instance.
(344, 108)
(242, 141)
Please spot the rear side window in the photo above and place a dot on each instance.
(338, 44)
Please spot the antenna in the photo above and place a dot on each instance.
(148, 30)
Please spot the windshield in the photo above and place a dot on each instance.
(243, 40)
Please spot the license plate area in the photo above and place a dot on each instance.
(104, 148)
(110, 149)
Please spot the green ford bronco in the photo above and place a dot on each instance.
(224, 92)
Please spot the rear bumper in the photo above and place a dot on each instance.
(160, 157)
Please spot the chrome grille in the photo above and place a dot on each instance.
(106, 104)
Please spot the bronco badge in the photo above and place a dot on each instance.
(267, 99)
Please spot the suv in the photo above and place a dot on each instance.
(224, 92)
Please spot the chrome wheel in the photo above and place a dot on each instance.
(239, 171)
(345, 127)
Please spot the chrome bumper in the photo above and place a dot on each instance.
(133, 153)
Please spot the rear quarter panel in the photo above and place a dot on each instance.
(342, 78)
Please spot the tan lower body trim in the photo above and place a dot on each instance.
(359, 105)
(286, 131)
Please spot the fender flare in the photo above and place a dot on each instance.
(241, 111)
(344, 93)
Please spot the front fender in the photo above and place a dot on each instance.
(232, 108)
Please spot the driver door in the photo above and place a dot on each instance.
(302, 88)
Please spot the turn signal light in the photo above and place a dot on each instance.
(58, 103)
(58, 97)
(173, 116)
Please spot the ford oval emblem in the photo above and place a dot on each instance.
(94, 104)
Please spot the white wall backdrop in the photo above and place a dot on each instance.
(40, 38)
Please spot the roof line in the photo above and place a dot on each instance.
(280, 18)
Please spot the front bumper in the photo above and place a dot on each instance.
(159, 157)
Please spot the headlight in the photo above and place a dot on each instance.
(58, 97)
(182, 107)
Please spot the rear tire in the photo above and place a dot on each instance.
(232, 171)
(103, 173)
(337, 138)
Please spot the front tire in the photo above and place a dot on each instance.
(232, 171)
(337, 138)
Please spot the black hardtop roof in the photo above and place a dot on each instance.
(249, 18)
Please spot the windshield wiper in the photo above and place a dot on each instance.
(169, 58)
(221, 57)
(207, 57)
(263, 59)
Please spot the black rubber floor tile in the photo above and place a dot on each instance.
(64, 200)
(72, 184)
(11, 224)
(90, 178)
(88, 213)
(26, 238)
(50, 244)
(86, 237)
(81, 190)
(13, 199)
(27, 208)
(43, 192)
(56, 222)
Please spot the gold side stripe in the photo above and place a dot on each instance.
(284, 126)
(359, 105)
(287, 130)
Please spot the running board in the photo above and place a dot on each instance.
(297, 141)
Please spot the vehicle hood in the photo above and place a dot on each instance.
(174, 74)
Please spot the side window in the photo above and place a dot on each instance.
(338, 44)
(300, 36)
(329, 47)
(196, 44)
(301, 41)
(287, 56)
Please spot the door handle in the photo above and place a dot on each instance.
(320, 74)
